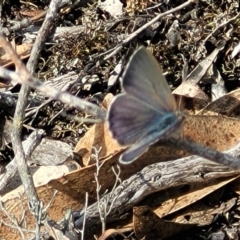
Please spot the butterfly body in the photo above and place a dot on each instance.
(146, 111)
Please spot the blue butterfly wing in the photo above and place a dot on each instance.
(129, 119)
(145, 112)
(143, 80)
(160, 128)
(139, 148)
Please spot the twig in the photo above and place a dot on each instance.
(148, 24)
(34, 204)
(98, 188)
(220, 26)
(105, 207)
(24, 77)
(84, 217)
(203, 151)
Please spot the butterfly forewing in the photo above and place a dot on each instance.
(143, 80)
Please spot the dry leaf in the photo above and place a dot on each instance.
(148, 225)
(189, 87)
(178, 200)
(99, 137)
(111, 232)
(22, 50)
(223, 106)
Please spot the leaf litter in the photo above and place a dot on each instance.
(85, 33)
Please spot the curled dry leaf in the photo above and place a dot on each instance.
(189, 87)
(223, 106)
(147, 223)
(22, 50)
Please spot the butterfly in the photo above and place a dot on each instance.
(145, 111)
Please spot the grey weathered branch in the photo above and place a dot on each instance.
(26, 178)
(156, 177)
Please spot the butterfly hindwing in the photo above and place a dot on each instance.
(128, 120)
(137, 149)
(163, 126)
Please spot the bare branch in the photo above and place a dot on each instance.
(154, 178)
(22, 76)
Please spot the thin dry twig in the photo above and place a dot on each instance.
(104, 207)
(220, 26)
(34, 204)
(148, 24)
(23, 77)
(82, 231)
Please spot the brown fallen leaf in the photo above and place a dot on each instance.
(111, 232)
(97, 136)
(213, 131)
(178, 200)
(22, 50)
(147, 225)
(189, 87)
(223, 106)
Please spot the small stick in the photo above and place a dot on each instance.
(23, 76)
(148, 24)
(203, 151)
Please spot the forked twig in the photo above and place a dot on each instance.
(104, 207)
